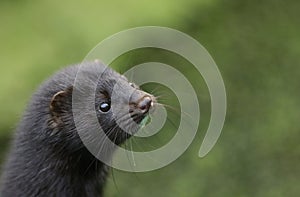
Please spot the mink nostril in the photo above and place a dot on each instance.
(145, 103)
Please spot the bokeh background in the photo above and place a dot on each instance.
(256, 45)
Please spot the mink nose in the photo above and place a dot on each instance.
(145, 103)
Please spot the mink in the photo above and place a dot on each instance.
(47, 156)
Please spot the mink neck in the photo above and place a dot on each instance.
(56, 155)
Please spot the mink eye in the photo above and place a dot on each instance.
(132, 85)
(104, 107)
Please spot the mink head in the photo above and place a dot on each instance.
(93, 98)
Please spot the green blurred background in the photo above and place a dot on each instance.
(256, 45)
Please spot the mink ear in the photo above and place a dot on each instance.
(61, 104)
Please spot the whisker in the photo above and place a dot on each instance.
(132, 155)
(176, 110)
(113, 178)
(154, 90)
